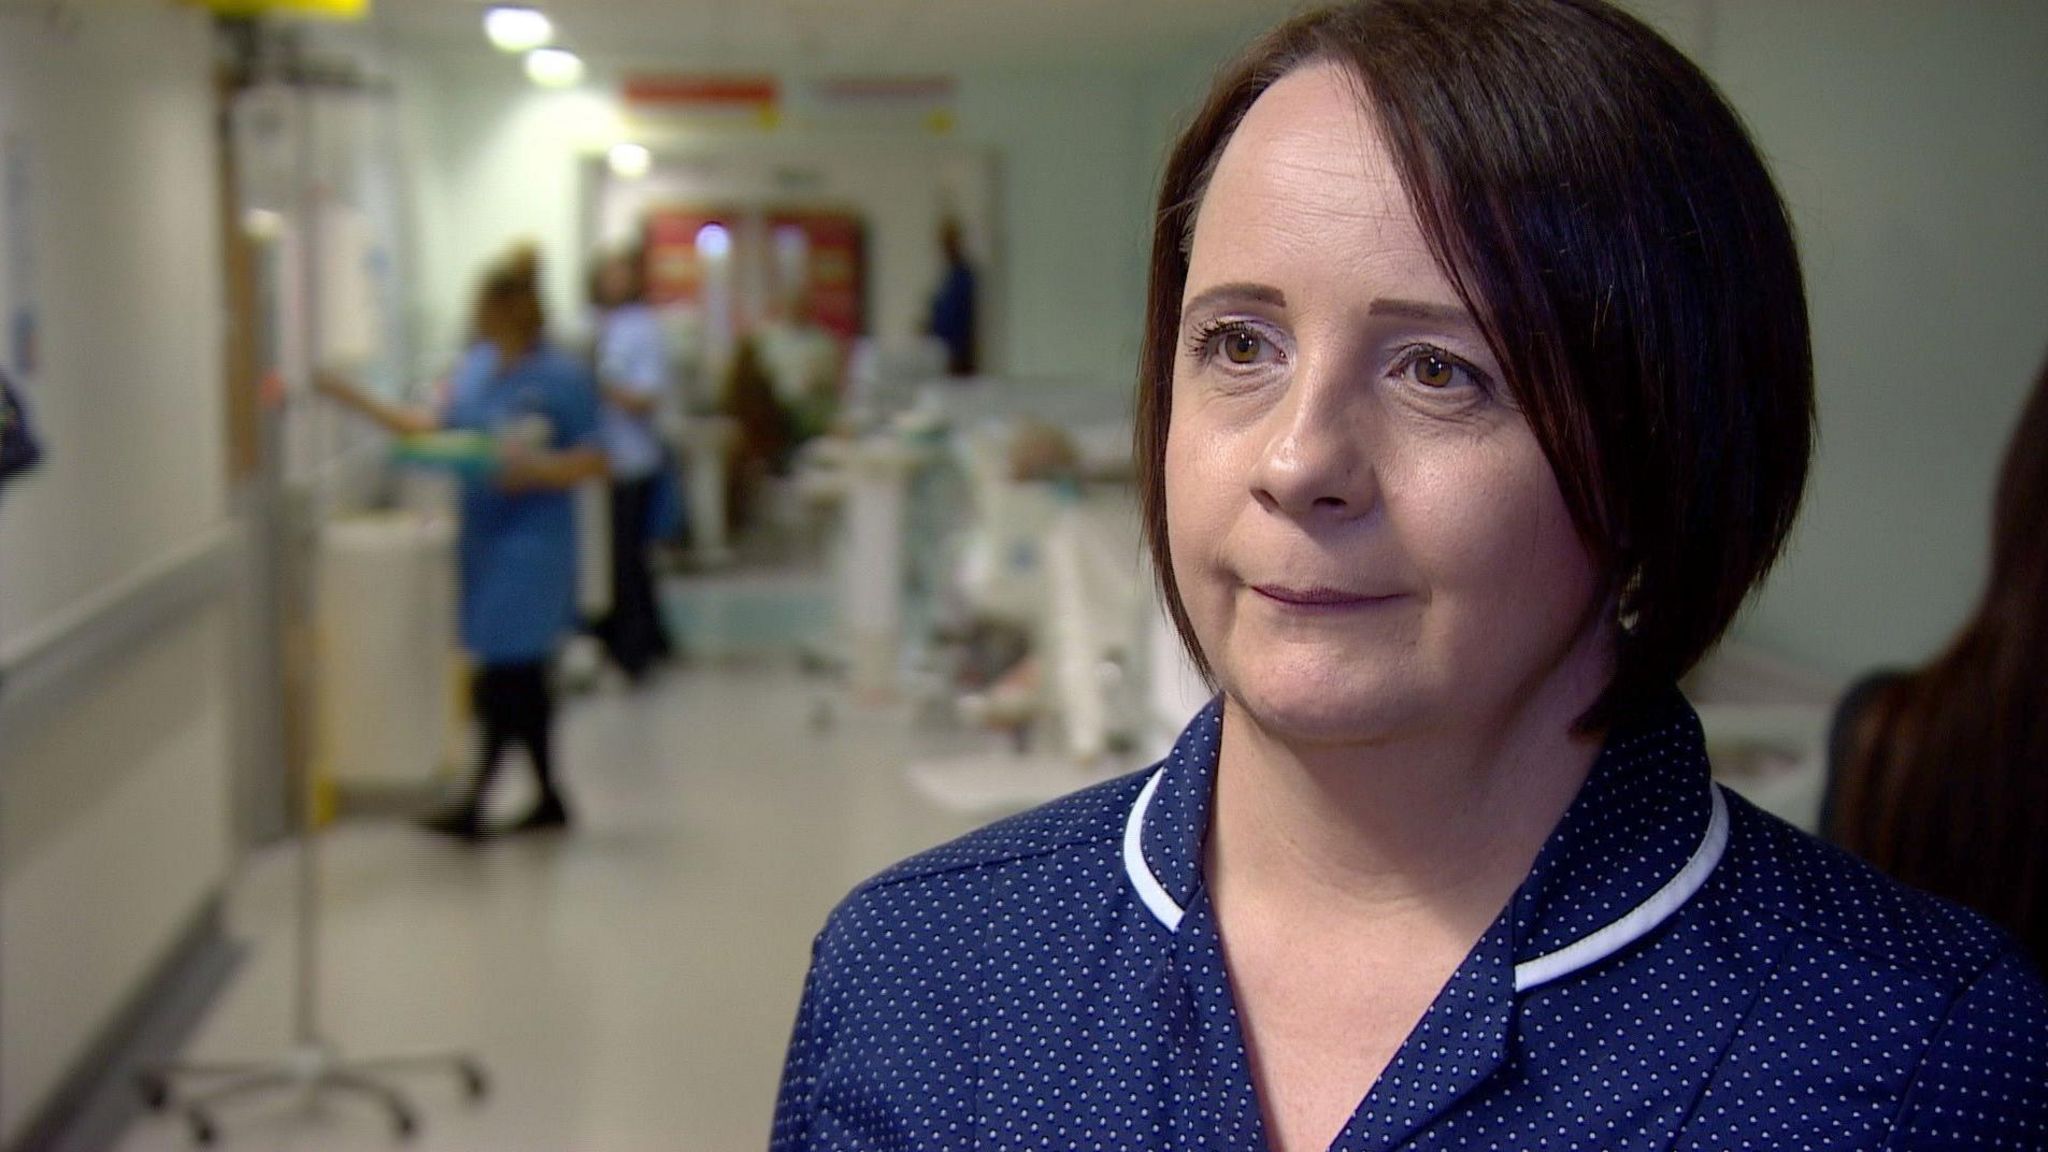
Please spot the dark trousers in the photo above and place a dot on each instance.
(514, 705)
(633, 633)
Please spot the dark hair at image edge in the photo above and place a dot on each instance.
(1605, 218)
(1944, 780)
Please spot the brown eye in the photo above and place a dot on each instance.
(1434, 371)
(1240, 347)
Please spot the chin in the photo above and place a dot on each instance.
(1325, 706)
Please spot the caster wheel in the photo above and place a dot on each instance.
(404, 1125)
(155, 1092)
(474, 1081)
(203, 1131)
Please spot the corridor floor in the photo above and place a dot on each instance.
(630, 985)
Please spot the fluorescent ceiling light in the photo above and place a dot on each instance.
(630, 161)
(515, 29)
(554, 67)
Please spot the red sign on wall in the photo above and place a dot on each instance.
(675, 266)
(836, 287)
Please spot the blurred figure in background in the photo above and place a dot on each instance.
(765, 434)
(19, 449)
(634, 379)
(538, 408)
(802, 361)
(1940, 776)
(952, 311)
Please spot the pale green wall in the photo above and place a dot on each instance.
(1072, 190)
(1911, 140)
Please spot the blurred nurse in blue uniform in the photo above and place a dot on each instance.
(1476, 397)
(517, 540)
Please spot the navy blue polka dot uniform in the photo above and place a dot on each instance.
(1678, 971)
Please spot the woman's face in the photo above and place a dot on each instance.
(1367, 537)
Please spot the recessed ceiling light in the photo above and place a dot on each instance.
(516, 29)
(629, 161)
(554, 67)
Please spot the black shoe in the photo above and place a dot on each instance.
(550, 815)
(462, 822)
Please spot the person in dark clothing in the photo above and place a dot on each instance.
(952, 312)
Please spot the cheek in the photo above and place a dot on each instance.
(1199, 512)
(1501, 537)
(1184, 506)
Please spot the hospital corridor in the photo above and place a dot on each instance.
(695, 575)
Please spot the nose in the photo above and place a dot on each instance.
(1315, 462)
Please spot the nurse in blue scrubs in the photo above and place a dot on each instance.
(1476, 397)
(517, 545)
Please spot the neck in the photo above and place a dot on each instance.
(1442, 824)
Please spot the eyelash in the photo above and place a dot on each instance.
(1203, 340)
(1413, 353)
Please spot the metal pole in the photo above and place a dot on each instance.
(307, 208)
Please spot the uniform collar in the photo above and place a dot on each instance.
(1640, 839)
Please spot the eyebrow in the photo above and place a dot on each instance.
(1418, 310)
(1235, 292)
(1238, 291)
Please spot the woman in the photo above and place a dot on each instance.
(633, 372)
(1940, 776)
(1476, 397)
(517, 545)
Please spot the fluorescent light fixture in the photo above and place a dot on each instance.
(515, 29)
(554, 67)
(629, 161)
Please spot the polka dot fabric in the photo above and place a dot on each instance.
(1013, 990)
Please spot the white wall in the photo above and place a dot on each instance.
(113, 816)
(118, 122)
(493, 161)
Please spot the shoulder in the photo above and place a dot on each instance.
(1035, 844)
(1860, 1002)
(473, 368)
(1091, 815)
(1824, 894)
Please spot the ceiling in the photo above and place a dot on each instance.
(892, 35)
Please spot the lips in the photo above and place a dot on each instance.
(1318, 596)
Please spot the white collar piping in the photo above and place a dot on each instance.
(1584, 952)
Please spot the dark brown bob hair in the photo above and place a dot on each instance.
(1614, 233)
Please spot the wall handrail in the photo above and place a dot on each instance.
(41, 669)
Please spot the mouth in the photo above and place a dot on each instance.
(1319, 597)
